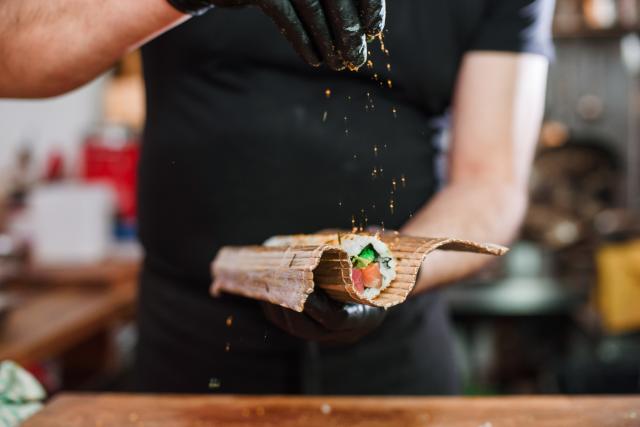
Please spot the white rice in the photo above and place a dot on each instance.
(354, 244)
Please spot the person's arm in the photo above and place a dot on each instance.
(498, 106)
(48, 47)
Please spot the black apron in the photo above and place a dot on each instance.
(244, 141)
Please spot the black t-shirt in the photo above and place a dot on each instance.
(242, 143)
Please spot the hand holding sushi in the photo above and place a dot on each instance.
(372, 269)
(325, 320)
(330, 31)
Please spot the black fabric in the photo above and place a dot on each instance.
(242, 143)
(517, 26)
(193, 7)
(188, 345)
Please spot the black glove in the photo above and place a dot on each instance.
(326, 320)
(332, 31)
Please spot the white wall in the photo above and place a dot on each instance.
(60, 122)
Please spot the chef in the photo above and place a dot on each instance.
(247, 137)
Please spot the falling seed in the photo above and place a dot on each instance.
(384, 146)
(346, 132)
(355, 156)
(229, 321)
(392, 205)
(403, 180)
(395, 112)
(366, 108)
(382, 225)
(375, 76)
(388, 67)
(381, 40)
(340, 204)
(389, 83)
(214, 383)
(324, 116)
(353, 68)
(368, 95)
(369, 64)
(373, 206)
(349, 98)
(327, 93)
(353, 221)
(346, 118)
(394, 184)
(374, 172)
(227, 347)
(375, 150)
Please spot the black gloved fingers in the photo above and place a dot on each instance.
(337, 316)
(327, 312)
(296, 324)
(363, 321)
(284, 15)
(363, 317)
(314, 19)
(373, 15)
(347, 31)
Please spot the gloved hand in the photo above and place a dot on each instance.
(330, 31)
(326, 320)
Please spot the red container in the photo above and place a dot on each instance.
(111, 156)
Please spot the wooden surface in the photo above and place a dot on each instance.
(111, 271)
(48, 320)
(209, 411)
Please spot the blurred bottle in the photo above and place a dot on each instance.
(599, 14)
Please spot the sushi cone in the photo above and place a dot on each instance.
(286, 269)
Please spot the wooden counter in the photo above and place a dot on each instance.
(210, 411)
(69, 316)
(57, 309)
(48, 322)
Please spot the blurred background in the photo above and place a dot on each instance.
(560, 314)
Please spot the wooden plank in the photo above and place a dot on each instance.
(231, 411)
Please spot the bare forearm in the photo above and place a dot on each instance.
(48, 47)
(484, 212)
(489, 161)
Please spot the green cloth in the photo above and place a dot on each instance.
(20, 394)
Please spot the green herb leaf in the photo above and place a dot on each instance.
(366, 257)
